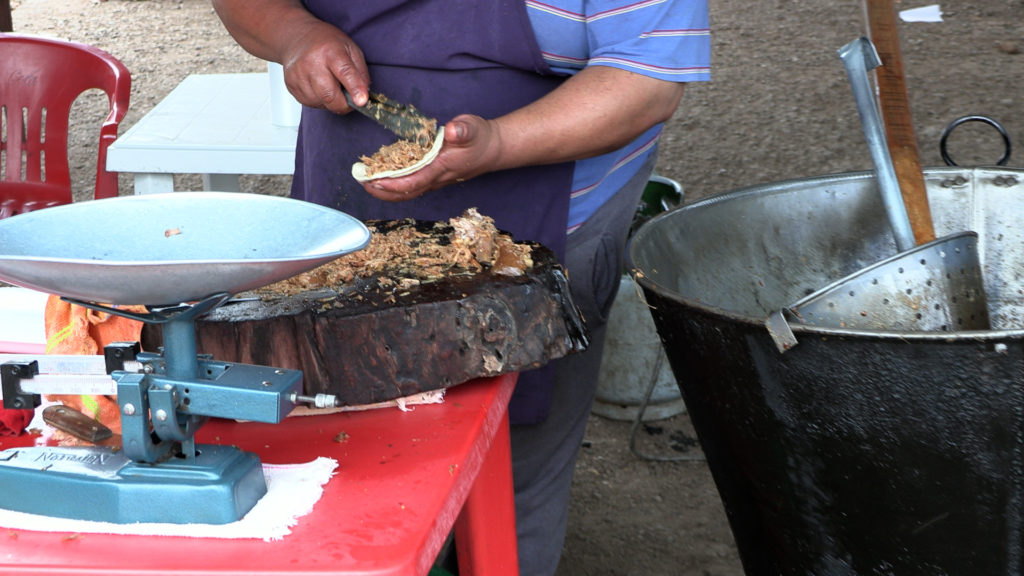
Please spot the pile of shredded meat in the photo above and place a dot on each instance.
(403, 257)
(401, 154)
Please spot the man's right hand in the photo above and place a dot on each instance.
(319, 63)
(319, 60)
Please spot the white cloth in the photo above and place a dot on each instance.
(292, 490)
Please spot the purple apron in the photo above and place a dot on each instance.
(446, 57)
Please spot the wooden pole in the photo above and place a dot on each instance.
(895, 109)
(6, 25)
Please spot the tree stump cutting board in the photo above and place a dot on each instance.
(385, 323)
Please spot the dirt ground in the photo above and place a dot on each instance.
(779, 107)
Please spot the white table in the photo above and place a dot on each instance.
(217, 125)
(22, 321)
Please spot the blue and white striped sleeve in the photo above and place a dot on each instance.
(665, 39)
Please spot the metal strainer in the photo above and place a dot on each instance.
(931, 288)
(934, 287)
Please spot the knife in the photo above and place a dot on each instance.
(402, 119)
(75, 423)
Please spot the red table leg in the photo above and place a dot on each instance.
(485, 532)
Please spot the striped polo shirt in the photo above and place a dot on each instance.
(665, 39)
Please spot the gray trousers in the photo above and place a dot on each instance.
(544, 455)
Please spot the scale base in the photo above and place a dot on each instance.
(102, 484)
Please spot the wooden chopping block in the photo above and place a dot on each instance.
(373, 339)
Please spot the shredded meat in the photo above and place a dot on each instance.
(401, 154)
(404, 257)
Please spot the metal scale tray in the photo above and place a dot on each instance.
(165, 249)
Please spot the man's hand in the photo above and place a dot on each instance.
(318, 62)
(318, 58)
(472, 146)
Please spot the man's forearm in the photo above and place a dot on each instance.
(598, 110)
(262, 26)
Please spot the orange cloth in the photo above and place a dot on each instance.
(72, 329)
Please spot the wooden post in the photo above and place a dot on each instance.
(895, 109)
(6, 25)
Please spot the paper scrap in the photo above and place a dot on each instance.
(930, 13)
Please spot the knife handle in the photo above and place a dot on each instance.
(75, 423)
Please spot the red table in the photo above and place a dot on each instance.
(404, 479)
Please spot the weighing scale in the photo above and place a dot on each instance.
(180, 255)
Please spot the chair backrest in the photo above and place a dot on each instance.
(40, 79)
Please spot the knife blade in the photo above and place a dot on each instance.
(402, 119)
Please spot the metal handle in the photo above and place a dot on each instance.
(984, 119)
(859, 57)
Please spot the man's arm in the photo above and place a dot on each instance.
(598, 110)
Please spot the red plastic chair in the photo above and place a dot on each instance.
(40, 79)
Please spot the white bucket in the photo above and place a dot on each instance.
(631, 356)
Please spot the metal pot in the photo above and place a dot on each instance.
(858, 451)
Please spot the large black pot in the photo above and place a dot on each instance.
(855, 452)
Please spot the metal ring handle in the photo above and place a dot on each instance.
(984, 119)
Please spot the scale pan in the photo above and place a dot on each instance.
(166, 249)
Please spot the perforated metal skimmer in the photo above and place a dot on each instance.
(934, 287)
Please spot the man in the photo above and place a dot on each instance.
(551, 112)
